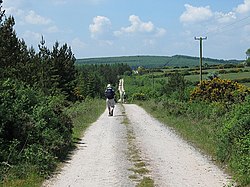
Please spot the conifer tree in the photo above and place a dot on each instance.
(45, 69)
(9, 47)
(63, 62)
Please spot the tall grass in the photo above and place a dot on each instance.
(85, 113)
(193, 122)
(220, 131)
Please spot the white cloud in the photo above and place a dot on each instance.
(33, 18)
(243, 8)
(225, 18)
(101, 25)
(195, 14)
(137, 26)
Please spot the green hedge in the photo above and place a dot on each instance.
(34, 131)
(234, 141)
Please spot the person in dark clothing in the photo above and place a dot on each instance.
(110, 99)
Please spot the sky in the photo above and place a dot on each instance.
(104, 28)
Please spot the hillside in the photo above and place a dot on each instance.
(155, 61)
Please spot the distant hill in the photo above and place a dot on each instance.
(155, 61)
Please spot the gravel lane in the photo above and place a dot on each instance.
(173, 162)
(102, 157)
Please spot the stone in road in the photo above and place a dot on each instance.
(102, 155)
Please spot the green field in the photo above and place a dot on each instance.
(231, 76)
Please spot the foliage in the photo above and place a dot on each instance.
(34, 128)
(84, 113)
(9, 48)
(234, 141)
(92, 79)
(202, 120)
(175, 84)
(52, 71)
(248, 52)
(139, 96)
(213, 75)
(248, 61)
(63, 62)
(218, 90)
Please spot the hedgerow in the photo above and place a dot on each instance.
(234, 141)
(34, 130)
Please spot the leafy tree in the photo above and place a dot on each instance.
(176, 84)
(33, 127)
(248, 57)
(248, 62)
(248, 53)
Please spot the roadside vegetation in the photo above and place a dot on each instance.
(46, 102)
(213, 114)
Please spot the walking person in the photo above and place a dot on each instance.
(110, 99)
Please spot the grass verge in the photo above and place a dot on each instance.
(85, 113)
(200, 133)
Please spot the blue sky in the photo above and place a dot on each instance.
(98, 28)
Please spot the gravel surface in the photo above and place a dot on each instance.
(102, 158)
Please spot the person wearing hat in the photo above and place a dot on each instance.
(110, 99)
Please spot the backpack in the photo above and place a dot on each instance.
(110, 93)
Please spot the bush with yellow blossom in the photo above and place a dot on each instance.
(220, 90)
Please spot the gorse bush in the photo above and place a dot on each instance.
(33, 128)
(234, 141)
(219, 90)
(139, 96)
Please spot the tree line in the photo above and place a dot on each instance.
(35, 88)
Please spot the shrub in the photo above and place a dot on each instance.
(139, 96)
(176, 84)
(219, 90)
(234, 141)
(34, 128)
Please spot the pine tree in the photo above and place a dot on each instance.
(63, 62)
(9, 47)
(45, 70)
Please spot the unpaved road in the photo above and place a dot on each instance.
(130, 146)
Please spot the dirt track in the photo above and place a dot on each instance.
(113, 147)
